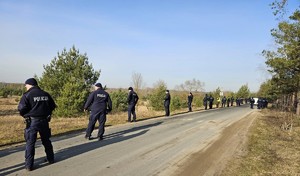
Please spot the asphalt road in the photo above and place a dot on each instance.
(145, 148)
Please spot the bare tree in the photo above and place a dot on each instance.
(137, 81)
(191, 85)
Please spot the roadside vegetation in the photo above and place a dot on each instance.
(12, 126)
(272, 148)
(273, 141)
(69, 78)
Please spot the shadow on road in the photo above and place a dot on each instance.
(70, 152)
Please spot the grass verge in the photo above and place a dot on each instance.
(12, 126)
(272, 148)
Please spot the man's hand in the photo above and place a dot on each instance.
(27, 121)
(108, 111)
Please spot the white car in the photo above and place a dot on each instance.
(255, 100)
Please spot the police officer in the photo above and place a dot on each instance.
(237, 101)
(231, 101)
(228, 101)
(100, 104)
(36, 107)
(132, 100)
(205, 99)
(167, 101)
(211, 101)
(259, 103)
(190, 100)
(252, 102)
(224, 101)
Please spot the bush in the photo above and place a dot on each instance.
(156, 99)
(175, 103)
(198, 101)
(119, 101)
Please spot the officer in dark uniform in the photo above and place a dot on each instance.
(211, 101)
(132, 100)
(238, 101)
(205, 99)
(100, 104)
(259, 103)
(36, 107)
(231, 101)
(224, 101)
(167, 101)
(228, 101)
(190, 100)
(252, 102)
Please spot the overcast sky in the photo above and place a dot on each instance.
(217, 42)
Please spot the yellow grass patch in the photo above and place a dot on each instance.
(271, 149)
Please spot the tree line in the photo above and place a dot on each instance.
(10, 89)
(69, 78)
(284, 62)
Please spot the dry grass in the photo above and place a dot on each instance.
(12, 126)
(271, 150)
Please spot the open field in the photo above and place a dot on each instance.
(12, 126)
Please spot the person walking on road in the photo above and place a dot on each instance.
(167, 101)
(132, 100)
(100, 104)
(36, 106)
(190, 100)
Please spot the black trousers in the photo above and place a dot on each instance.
(190, 106)
(131, 110)
(94, 117)
(40, 126)
(167, 109)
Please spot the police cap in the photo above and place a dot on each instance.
(98, 85)
(31, 81)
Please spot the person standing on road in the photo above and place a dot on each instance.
(211, 101)
(224, 101)
(252, 102)
(205, 99)
(231, 101)
(100, 104)
(36, 107)
(190, 100)
(228, 101)
(167, 101)
(132, 100)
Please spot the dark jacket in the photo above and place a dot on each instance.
(36, 103)
(98, 101)
(190, 98)
(132, 98)
(167, 99)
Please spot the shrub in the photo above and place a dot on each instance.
(119, 101)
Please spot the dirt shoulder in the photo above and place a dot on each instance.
(214, 158)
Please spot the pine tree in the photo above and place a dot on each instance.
(68, 78)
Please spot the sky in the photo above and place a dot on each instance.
(217, 42)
